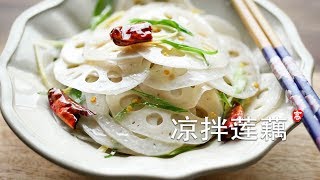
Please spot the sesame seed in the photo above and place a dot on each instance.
(243, 64)
(156, 30)
(166, 72)
(212, 115)
(165, 54)
(168, 15)
(256, 85)
(93, 99)
(172, 76)
(181, 38)
(136, 100)
(129, 108)
(233, 53)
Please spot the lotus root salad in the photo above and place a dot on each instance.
(125, 82)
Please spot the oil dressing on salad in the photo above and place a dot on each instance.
(120, 83)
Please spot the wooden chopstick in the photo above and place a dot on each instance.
(264, 24)
(248, 20)
(278, 68)
(286, 58)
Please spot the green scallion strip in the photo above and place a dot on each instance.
(74, 94)
(178, 151)
(112, 153)
(227, 103)
(103, 10)
(151, 101)
(187, 48)
(225, 99)
(165, 22)
(120, 115)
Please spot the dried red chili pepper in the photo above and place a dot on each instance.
(65, 108)
(235, 113)
(131, 34)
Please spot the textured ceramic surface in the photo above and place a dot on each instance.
(28, 115)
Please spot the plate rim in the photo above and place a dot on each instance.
(9, 115)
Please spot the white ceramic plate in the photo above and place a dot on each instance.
(28, 115)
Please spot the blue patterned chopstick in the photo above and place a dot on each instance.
(303, 84)
(287, 59)
(293, 92)
(244, 8)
